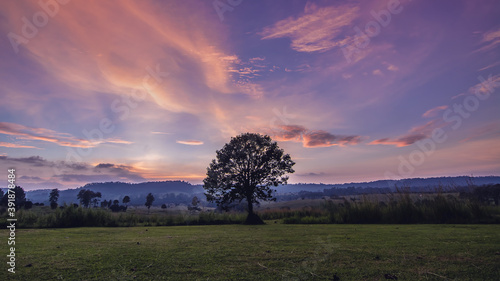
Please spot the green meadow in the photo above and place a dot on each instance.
(273, 251)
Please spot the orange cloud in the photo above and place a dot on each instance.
(401, 141)
(99, 56)
(42, 134)
(170, 54)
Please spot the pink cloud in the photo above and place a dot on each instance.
(413, 135)
(88, 58)
(325, 139)
(490, 40)
(401, 141)
(190, 142)
(47, 135)
(316, 30)
(433, 112)
(318, 138)
(13, 145)
(290, 133)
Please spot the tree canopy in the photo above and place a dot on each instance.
(86, 197)
(149, 200)
(126, 199)
(245, 169)
(54, 195)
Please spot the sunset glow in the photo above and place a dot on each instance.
(148, 90)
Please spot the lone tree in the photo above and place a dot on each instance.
(149, 201)
(53, 197)
(126, 200)
(245, 169)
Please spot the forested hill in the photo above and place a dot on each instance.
(181, 191)
(429, 184)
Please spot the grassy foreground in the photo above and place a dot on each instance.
(267, 252)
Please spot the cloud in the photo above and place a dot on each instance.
(104, 165)
(310, 139)
(160, 133)
(490, 40)
(74, 174)
(392, 67)
(316, 30)
(433, 112)
(325, 139)
(243, 73)
(31, 178)
(123, 172)
(457, 96)
(487, 86)
(47, 135)
(89, 178)
(116, 140)
(490, 66)
(92, 61)
(290, 133)
(414, 135)
(89, 66)
(13, 145)
(36, 161)
(190, 142)
(401, 141)
(41, 163)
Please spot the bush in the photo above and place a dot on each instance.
(28, 205)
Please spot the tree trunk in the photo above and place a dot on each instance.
(250, 206)
(252, 218)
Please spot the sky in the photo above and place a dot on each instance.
(148, 90)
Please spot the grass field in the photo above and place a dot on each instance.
(266, 252)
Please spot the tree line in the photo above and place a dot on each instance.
(86, 197)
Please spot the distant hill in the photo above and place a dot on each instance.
(182, 192)
(429, 184)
